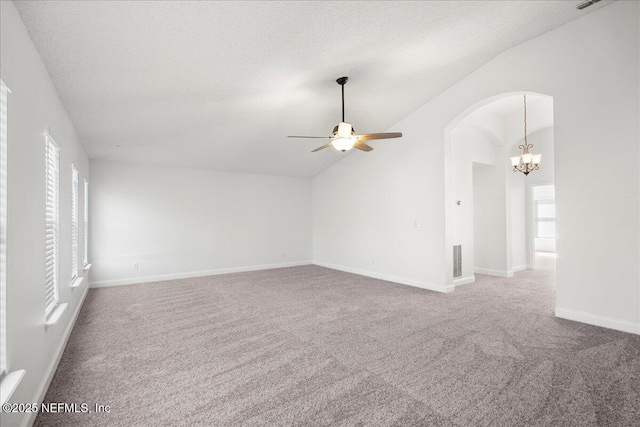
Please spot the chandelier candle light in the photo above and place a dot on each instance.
(525, 162)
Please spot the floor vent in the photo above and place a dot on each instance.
(457, 261)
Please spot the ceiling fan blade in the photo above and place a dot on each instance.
(314, 137)
(322, 147)
(362, 146)
(369, 136)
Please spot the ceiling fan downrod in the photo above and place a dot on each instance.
(342, 81)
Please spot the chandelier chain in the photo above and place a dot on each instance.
(525, 120)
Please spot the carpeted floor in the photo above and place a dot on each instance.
(313, 346)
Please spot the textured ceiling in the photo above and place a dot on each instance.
(219, 85)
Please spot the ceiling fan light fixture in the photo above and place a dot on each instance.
(345, 130)
(343, 144)
(344, 138)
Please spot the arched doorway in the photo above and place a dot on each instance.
(489, 216)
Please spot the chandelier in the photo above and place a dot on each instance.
(525, 162)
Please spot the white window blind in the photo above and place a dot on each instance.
(86, 224)
(52, 218)
(4, 94)
(75, 178)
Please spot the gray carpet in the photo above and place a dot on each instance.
(313, 346)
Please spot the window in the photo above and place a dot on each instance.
(86, 225)
(4, 94)
(52, 215)
(74, 223)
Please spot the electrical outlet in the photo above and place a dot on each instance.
(135, 265)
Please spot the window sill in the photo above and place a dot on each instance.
(87, 267)
(9, 385)
(56, 314)
(77, 282)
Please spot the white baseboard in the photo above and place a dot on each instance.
(592, 319)
(520, 268)
(163, 277)
(464, 280)
(387, 277)
(53, 366)
(491, 272)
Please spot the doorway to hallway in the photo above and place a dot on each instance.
(544, 227)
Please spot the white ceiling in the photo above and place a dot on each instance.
(502, 121)
(510, 104)
(219, 85)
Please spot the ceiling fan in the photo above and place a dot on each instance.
(344, 138)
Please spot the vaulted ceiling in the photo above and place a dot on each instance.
(219, 85)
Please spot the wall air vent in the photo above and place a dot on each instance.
(457, 261)
(586, 4)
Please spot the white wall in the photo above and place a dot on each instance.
(33, 107)
(590, 67)
(516, 185)
(181, 222)
(490, 213)
(469, 146)
(371, 217)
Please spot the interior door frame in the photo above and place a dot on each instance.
(531, 248)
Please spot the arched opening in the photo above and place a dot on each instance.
(495, 221)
